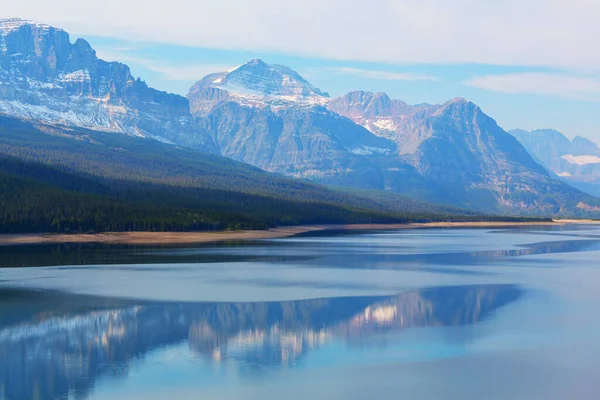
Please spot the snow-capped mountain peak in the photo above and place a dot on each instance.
(44, 77)
(260, 78)
(8, 25)
(256, 84)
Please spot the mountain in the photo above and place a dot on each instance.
(455, 144)
(451, 153)
(255, 84)
(44, 77)
(269, 116)
(377, 112)
(296, 134)
(576, 162)
(71, 179)
(545, 145)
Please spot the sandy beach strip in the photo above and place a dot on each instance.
(465, 225)
(149, 238)
(153, 237)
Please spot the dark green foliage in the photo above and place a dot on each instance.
(30, 206)
(60, 180)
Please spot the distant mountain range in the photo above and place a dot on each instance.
(272, 118)
(576, 161)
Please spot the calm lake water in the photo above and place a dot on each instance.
(423, 314)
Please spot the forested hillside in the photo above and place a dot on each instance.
(118, 160)
(63, 180)
(27, 205)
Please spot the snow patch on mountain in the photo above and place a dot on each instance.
(8, 25)
(368, 150)
(82, 75)
(386, 124)
(78, 111)
(46, 78)
(87, 114)
(258, 84)
(581, 160)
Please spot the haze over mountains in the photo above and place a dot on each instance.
(272, 118)
(576, 161)
(452, 153)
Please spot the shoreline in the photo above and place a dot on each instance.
(157, 238)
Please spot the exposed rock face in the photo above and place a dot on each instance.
(306, 142)
(45, 77)
(377, 112)
(576, 162)
(583, 146)
(254, 84)
(457, 145)
(544, 144)
(271, 117)
(451, 153)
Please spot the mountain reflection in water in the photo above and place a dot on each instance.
(371, 256)
(52, 352)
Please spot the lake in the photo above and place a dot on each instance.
(415, 314)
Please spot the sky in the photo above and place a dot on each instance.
(527, 63)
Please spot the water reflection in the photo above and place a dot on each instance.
(50, 351)
(410, 261)
(110, 254)
(396, 254)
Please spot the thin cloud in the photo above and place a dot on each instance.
(382, 75)
(556, 33)
(185, 72)
(549, 84)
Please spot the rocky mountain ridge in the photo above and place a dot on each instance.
(575, 161)
(451, 153)
(45, 77)
(271, 117)
(254, 84)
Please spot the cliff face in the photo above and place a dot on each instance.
(45, 77)
(271, 117)
(576, 161)
(456, 146)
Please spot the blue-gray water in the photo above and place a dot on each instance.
(427, 314)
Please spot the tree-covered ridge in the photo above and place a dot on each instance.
(113, 159)
(28, 205)
(61, 180)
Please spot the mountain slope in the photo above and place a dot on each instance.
(451, 153)
(254, 84)
(577, 162)
(77, 176)
(457, 147)
(47, 78)
(271, 117)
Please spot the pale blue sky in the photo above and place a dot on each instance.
(527, 63)
(175, 68)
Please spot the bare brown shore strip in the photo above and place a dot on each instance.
(148, 238)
